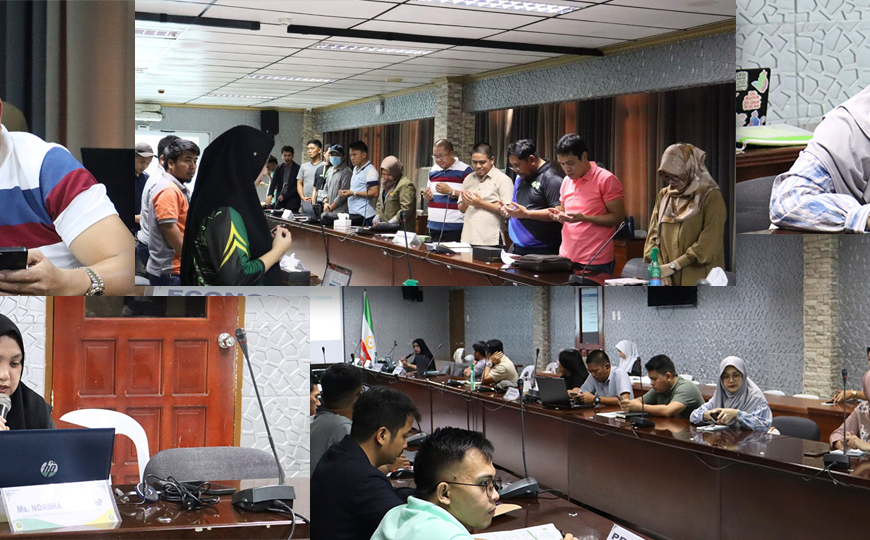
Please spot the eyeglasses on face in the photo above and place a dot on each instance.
(732, 377)
(491, 486)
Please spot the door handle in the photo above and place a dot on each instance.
(226, 341)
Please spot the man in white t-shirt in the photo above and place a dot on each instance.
(55, 208)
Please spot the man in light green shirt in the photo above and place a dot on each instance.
(456, 487)
(671, 395)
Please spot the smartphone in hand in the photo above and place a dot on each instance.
(13, 258)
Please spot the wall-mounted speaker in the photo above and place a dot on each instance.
(269, 122)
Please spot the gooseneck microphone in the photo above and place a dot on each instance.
(641, 421)
(323, 349)
(581, 279)
(525, 487)
(262, 498)
(840, 461)
(5, 405)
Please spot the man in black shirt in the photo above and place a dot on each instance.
(285, 175)
(349, 495)
(536, 190)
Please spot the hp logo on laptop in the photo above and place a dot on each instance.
(48, 469)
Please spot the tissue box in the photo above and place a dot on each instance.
(486, 254)
(297, 278)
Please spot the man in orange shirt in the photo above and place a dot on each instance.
(168, 212)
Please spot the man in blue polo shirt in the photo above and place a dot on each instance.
(536, 190)
(364, 185)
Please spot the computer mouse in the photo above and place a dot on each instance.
(402, 473)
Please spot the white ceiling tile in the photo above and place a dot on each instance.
(561, 40)
(644, 17)
(423, 29)
(452, 16)
(272, 17)
(345, 8)
(714, 7)
(190, 9)
(482, 62)
(581, 29)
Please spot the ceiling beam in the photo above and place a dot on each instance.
(197, 21)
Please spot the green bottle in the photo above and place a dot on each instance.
(655, 270)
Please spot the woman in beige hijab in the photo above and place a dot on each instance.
(688, 219)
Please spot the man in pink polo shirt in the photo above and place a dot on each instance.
(592, 206)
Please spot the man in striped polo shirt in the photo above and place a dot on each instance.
(443, 191)
(55, 208)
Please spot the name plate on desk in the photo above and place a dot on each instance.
(618, 533)
(513, 394)
(78, 505)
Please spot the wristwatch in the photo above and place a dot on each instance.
(854, 393)
(673, 266)
(596, 401)
(97, 287)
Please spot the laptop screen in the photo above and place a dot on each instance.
(52, 456)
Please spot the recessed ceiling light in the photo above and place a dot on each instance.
(293, 79)
(162, 34)
(508, 5)
(241, 96)
(371, 49)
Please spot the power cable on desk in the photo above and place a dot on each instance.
(292, 513)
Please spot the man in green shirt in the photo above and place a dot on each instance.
(671, 395)
(456, 486)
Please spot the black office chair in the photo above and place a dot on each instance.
(212, 463)
(795, 426)
(753, 204)
(635, 268)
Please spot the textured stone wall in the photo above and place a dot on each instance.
(541, 331)
(28, 312)
(821, 255)
(308, 133)
(451, 122)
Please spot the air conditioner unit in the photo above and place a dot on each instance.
(149, 112)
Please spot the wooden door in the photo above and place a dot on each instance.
(157, 360)
(457, 321)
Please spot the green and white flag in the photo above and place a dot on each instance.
(367, 347)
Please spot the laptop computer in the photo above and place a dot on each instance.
(554, 394)
(31, 457)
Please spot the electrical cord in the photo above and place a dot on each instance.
(292, 514)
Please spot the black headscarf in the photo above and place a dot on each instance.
(227, 171)
(29, 410)
(424, 350)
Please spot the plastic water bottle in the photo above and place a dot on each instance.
(655, 269)
(472, 376)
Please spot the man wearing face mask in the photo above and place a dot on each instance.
(338, 180)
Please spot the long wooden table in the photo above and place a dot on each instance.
(377, 261)
(166, 520)
(671, 481)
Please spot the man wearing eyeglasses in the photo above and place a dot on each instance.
(456, 490)
(443, 192)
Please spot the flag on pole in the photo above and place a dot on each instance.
(367, 347)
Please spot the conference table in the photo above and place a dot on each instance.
(166, 520)
(672, 481)
(376, 260)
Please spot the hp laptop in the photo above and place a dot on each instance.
(554, 394)
(52, 456)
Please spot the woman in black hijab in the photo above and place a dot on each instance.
(29, 410)
(227, 239)
(421, 349)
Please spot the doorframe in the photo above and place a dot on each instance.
(239, 366)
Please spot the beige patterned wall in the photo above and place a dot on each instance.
(28, 312)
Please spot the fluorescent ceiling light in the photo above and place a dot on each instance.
(293, 79)
(149, 116)
(163, 34)
(370, 49)
(508, 5)
(242, 96)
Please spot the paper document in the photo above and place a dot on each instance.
(850, 452)
(625, 281)
(504, 508)
(712, 427)
(507, 259)
(615, 414)
(541, 532)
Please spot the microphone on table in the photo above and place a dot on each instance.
(840, 461)
(325, 242)
(525, 487)
(641, 421)
(262, 498)
(581, 279)
(5, 405)
(410, 281)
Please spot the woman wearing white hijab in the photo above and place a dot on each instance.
(737, 401)
(628, 356)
